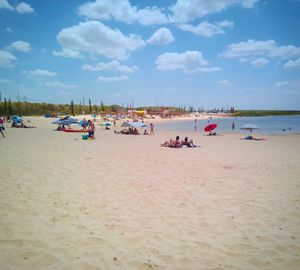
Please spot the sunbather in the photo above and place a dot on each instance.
(172, 143)
(187, 142)
(255, 139)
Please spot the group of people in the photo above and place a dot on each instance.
(178, 144)
(20, 125)
(130, 131)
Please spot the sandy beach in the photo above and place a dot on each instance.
(124, 202)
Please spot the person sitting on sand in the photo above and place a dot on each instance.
(177, 143)
(59, 127)
(145, 132)
(187, 142)
(91, 129)
(167, 143)
(172, 143)
(14, 124)
(135, 132)
(212, 133)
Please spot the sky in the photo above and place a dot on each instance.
(200, 53)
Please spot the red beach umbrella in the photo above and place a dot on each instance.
(210, 127)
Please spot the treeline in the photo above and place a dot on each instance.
(22, 108)
(265, 113)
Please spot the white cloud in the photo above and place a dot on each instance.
(225, 83)
(281, 84)
(181, 12)
(8, 29)
(6, 59)
(4, 81)
(121, 10)
(259, 62)
(20, 45)
(24, 8)
(292, 64)
(96, 38)
(207, 69)
(260, 52)
(68, 53)
(187, 10)
(113, 78)
(188, 62)
(40, 72)
(111, 66)
(161, 36)
(4, 4)
(253, 48)
(58, 84)
(207, 29)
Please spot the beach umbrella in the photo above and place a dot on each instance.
(249, 127)
(134, 124)
(210, 127)
(65, 121)
(17, 119)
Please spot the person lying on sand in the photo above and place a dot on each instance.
(252, 138)
(22, 125)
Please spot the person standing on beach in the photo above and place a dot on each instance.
(151, 129)
(91, 129)
(84, 123)
(2, 126)
(195, 126)
(233, 126)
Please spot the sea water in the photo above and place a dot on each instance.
(272, 125)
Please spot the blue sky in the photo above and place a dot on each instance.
(201, 53)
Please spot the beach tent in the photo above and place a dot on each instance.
(134, 124)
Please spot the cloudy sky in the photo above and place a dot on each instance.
(203, 53)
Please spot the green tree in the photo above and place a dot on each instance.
(90, 105)
(102, 106)
(5, 106)
(9, 107)
(72, 107)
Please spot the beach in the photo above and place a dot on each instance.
(124, 202)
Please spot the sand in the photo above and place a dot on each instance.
(124, 202)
